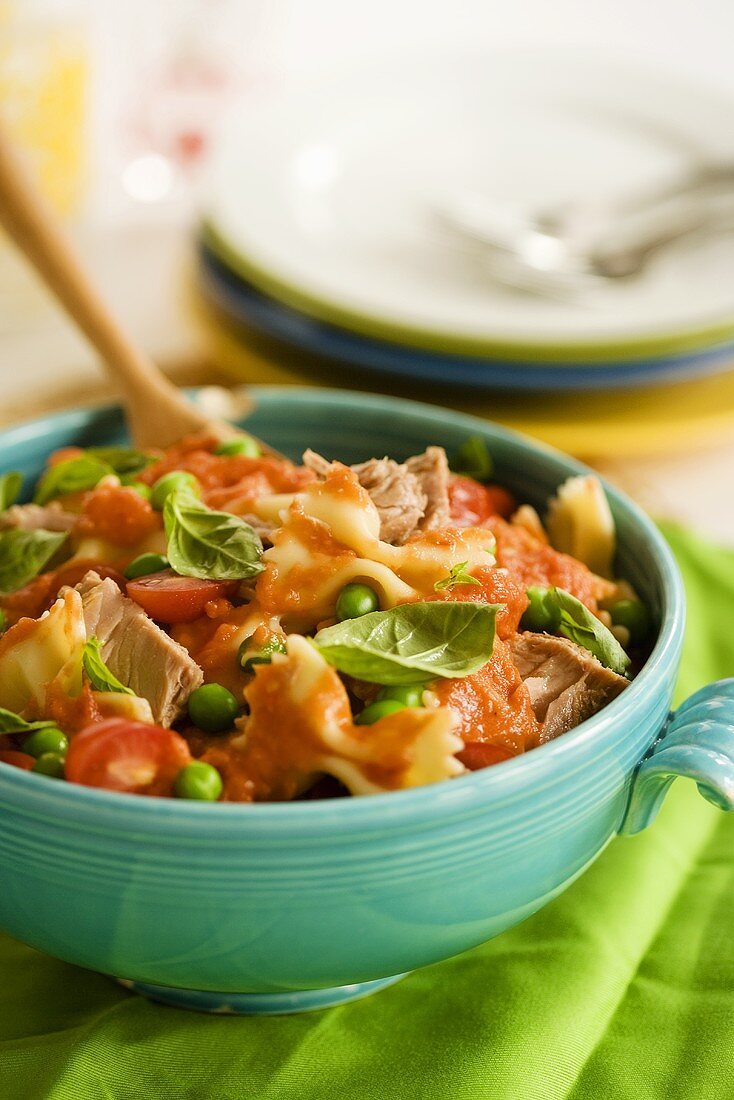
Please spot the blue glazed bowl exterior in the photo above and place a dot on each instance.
(274, 898)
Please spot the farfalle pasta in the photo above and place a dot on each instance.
(218, 624)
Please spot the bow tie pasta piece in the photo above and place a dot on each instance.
(300, 727)
(306, 569)
(345, 507)
(347, 510)
(580, 523)
(41, 659)
(36, 651)
(329, 538)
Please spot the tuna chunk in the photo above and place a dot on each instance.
(432, 470)
(34, 517)
(566, 683)
(316, 462)
(397, 495)
(139, 653)
(410, 496)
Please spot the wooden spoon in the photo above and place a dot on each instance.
(158, 414)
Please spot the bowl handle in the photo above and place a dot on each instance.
(697, 742)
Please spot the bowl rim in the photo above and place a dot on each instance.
(463, 793)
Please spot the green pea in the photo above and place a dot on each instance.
(243, 445)
(541, 614)
(200, 781)
(634, 615)
(174, 482)
(213, 708)
(410, 695)
(46, 740)
(377, 710)
(250, 654)
(51, 764)
(146, 564)
(356, 600)
(140, 488)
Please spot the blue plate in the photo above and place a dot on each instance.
(243, 304)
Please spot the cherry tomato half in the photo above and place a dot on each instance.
(471, 504)
(120, 755)
(18, 759)
(168, 598)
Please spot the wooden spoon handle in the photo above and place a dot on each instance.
(158, 412)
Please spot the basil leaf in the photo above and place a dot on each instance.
(73, 475)
(581, 626)
(13, 723)
(430, 639)
(457, 574)
(97, 672)
(473, 459)
(122, 460)
(10, 485)
(23, 555)
(211, 545)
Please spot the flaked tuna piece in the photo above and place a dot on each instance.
(37, 517)
(141, 655)
(410, 496)
(432, 470)
(395, 492)
(566, 683)
(397, 495)
(312, 460)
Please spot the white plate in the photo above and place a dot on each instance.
(325, 199)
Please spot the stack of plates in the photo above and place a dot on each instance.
(321, 233)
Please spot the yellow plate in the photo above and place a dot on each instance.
(589, 425)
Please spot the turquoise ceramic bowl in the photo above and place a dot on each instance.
(274, 908)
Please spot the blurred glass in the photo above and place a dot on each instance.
(44, 72)
(167, 73)
(44, 75)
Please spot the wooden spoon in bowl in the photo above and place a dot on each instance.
(158, 414)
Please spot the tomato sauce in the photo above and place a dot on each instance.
(472, 504)
(231, 765)
(17, 759)
(533, 562)
(31, 600)
(229, 480)
(71, 714)
(118, 515)
(299, 718)
(64, 454)
(17, 634)
(213, 642)
(299, 590)
(286, 743)
(495, 586)
(493, 705)
(263, 766)
(41, 593)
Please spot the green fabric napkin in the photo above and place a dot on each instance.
(622, 987)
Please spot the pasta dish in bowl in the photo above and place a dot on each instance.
(211, 622)
(383, 698)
